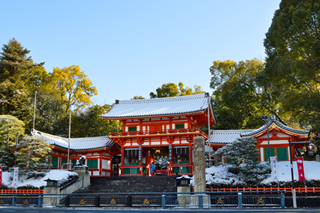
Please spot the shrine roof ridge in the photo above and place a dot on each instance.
(76, 143)
(159, 106)
(278, 124)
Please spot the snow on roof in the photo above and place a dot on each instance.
(279, 125)
(159, 106)
(227, 136)
(76, 143)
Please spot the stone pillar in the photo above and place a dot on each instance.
(199, 164)
(51, 193)
(83, 172)
(199, 173)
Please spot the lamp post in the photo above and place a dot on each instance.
(294, 199)
(267, 119)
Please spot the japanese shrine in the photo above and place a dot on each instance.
(97, 150)
(278, 137)
(160, 130)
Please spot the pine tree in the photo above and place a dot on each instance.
(33, 156)
(242, 155)
(16, 72)
(9, 128)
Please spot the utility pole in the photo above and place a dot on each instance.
(34, 109)
(294, 198)
(209, 142)
(69, 138)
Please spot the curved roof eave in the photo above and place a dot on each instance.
(261, 130)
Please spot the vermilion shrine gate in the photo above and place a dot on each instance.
(160, 130)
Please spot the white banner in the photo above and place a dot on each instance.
(274, 174)
(15, 177)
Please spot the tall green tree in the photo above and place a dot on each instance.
(50, 112)
(241, 94)
(17, 71)
(171, 90)
(293, 59)
(88, 123)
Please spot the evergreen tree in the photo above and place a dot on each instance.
(293, 59)
(33, 156)
(9, 128)
(242, 155)
(16, 71)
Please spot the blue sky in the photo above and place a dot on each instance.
(132, 47)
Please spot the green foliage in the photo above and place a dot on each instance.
(73, 86)
(9, 127)
(89, 123)
(242, 155)
(33, 156)
(171, 90)
(293, 59)
(17, 72)
(137, 97)
(241, 94)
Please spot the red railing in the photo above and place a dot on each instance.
(286, 189)
(21, 191)
(151, 132)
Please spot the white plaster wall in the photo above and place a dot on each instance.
(275, 142)
(106, 164)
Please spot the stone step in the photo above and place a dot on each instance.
(131, 184)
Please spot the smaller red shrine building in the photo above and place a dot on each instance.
(161, 130)
(279, 135)
(98, 152)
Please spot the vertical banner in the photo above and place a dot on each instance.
(140, 149)
(300, 169)
(15, 177)
(0, 175)
(170, 152)
(273, 161)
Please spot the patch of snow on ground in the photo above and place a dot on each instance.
(56, 174)
(220, 174)
(311, 171)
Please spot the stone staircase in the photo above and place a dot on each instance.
(131, 184)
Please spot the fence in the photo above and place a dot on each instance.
(157, 200)
(264, 190)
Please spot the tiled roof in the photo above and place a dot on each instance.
(159, 106)
(76, 143)
(227, 136)
(278, 124)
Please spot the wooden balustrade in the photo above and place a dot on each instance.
(21, 191)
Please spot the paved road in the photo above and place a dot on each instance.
(79, 210)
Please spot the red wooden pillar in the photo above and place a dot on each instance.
(293, 156)
(122, 160)
(190, 158)
(100, 159)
